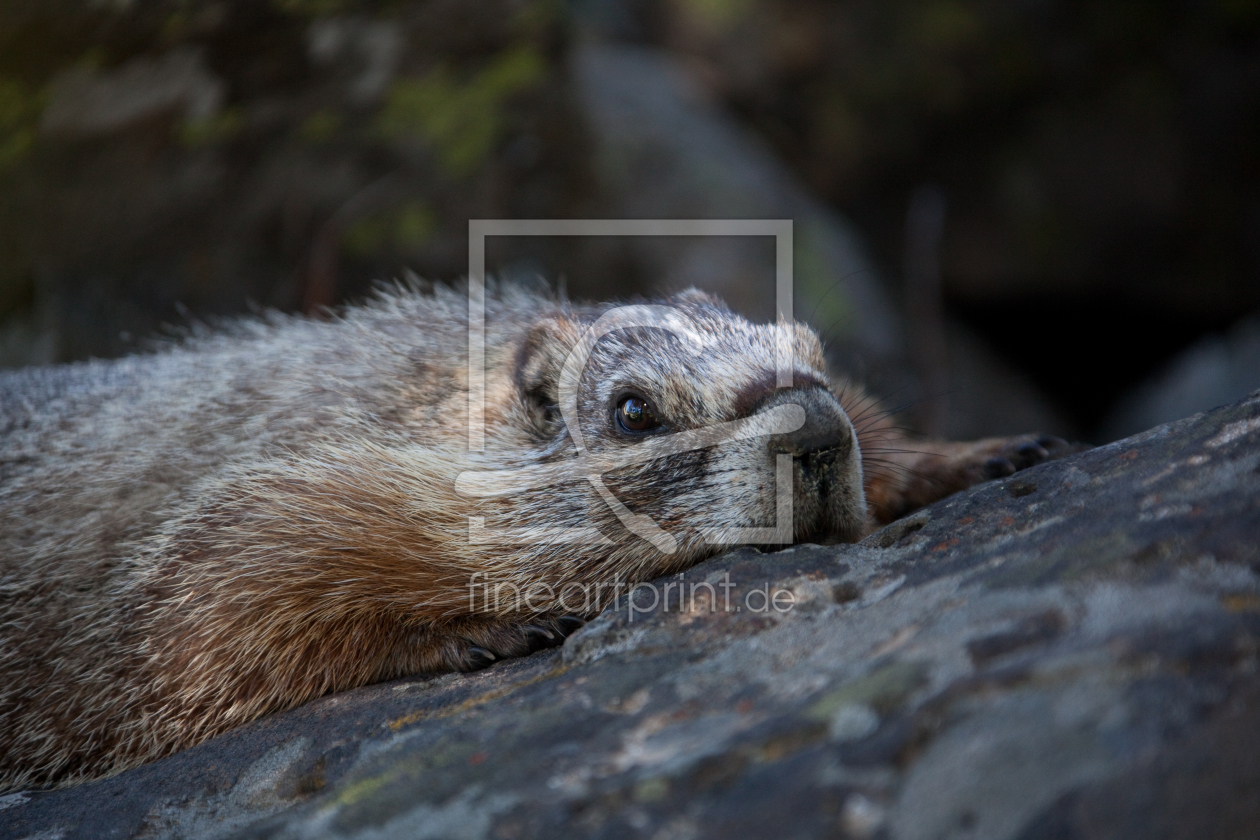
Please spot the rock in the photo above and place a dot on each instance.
(87, 102)
(1068, 652)
(1215, 370)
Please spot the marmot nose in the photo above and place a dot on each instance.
(826, 425)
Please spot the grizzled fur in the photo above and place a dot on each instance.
(259, 516)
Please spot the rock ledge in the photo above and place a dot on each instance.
(1071, 652)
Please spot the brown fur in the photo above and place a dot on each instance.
(259, 516)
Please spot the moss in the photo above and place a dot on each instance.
(718, 14)
(310, 8)
(827, 303)
(460, 119)
(214, 129)
(946, 25)
(320, 126)
(414, 225)
(365, 788)
(536, 18)
(19, 109)
(406, 228)
(884, 690)
(651, 790)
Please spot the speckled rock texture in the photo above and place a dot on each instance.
(1069, 652)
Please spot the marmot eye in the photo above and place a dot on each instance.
(635, 415)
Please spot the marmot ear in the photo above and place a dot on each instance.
(541, 358)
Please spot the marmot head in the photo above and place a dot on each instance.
(681, 424)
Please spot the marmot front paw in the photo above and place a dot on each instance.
(507, 640)
(1018, 453)
(939, 468)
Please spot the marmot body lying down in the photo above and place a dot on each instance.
(289, 507)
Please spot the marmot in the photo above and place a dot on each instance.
(286, 507)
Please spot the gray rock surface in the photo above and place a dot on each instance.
(1216, 370)
(1069, 652)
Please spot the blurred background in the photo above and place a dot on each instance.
(1015, 215)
